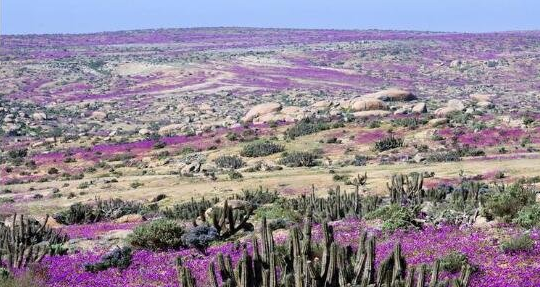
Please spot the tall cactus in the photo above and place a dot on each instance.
(27, 241)
(406, 189)
(335, 266)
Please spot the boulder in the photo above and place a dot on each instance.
(144, 132)
(232, 203)
(363, 104)
(193, 167)
(455, 104)
(393, 95)
(130, 218)
(367, 114)
(419, 108)
(437, 122)
(97, 115)
(452, 106)
(39, 116)
(291, 110)
(481, 97)
(261, 109)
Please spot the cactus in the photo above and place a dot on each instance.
(406, 189)
(27, 241)
(228, 221)
(337, 205)
(302, 266)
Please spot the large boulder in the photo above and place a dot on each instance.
(261, 109)
(393, 95)
(452, 106)
(365, 104)
(419, 108)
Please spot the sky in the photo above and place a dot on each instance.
(84, 16)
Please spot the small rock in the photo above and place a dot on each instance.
(130, 218)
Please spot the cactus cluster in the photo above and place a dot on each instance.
(227, 220)
(27, 241)
(192, 209)
(189, 210)
(305, 264)
(335, 206)
(102, 210)
(406, 189)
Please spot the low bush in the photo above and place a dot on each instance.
(528, 217)
(388, 143)
(309, 126)
(160, 234)
(233, 175)
(521, 243)
(229, 161)
(453, 261)
(299, 159)
(261, 148)
(394, 217)
(445, 156)
(118, 258)
(200, 237)
(506, 203)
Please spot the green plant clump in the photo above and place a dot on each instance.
(528, 217)
(394, 217)
(522, 243)
(261, 148)
(160, 234)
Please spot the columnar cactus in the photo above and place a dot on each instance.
(337, 205)
(302, 266)
(406, 189)
(27, 241)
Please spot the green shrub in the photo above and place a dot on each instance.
(445, 156)
(118, 258)
(528, 216)
(261, 148)
(298, 159)
(309, 126)
(160, 234)
(453, 261)
(394, 217)
(522, 243)
(229, 161)
(233, 174)
(507, 203)
(388, 143)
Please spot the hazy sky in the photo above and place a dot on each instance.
(81, 16)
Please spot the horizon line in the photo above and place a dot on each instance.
(268, 28)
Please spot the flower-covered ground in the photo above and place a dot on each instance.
(494, 267)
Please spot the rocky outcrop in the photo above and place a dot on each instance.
(364, 104)
(392, 95)
(260, 110)
(452, 106)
